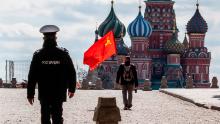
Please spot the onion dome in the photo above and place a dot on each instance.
(139, 27)
(122, 48)
(197, 24)
(185, 42)
(112, 23)
(174, 45)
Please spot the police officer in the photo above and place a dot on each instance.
(52, 69)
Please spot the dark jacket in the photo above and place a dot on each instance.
(52, 69)
(120, 75)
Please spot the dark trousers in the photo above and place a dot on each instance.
(51, 109)
(127, 94)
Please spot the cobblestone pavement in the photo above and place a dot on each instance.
(148, 108)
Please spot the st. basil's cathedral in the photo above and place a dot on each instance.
(155, 49)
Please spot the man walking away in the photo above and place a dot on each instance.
(127, 76)
(53, 70)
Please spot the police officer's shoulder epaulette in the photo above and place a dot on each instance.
(37, 51)
(63, 49)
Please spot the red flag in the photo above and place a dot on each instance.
(100, 51)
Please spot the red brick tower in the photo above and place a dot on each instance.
(161, 15)
(196, 60)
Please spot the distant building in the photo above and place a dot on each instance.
(155, 49)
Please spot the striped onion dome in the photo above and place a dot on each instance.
(139, 27)
(197, 24)
(174, 46)
(112, 23)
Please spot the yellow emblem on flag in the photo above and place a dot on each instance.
(108, 42)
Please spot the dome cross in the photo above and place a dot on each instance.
(112, 2)
(139, 5)
(197, 4)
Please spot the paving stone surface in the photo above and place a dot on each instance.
(152, 107)
(208, 97)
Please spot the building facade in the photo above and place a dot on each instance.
(155, 49)
(196, 59)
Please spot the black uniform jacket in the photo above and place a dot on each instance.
(120, 76)
(52, 69)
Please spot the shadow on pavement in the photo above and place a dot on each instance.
(216, 96)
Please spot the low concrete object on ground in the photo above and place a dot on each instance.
(189, 82)
(163, 82)
(107, 111)
(147, 85)
(214, 83)
(14, 82)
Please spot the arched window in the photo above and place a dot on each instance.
(144, 66)
(158, 10)
(192, 55)
(169, 10)
(163, 9)
(144, 74)
(136, 65)
(207, 69)
(203, 55)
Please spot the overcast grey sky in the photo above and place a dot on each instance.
(20, 21)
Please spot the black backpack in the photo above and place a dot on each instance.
(128, 74)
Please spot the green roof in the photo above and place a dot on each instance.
(112, 23)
